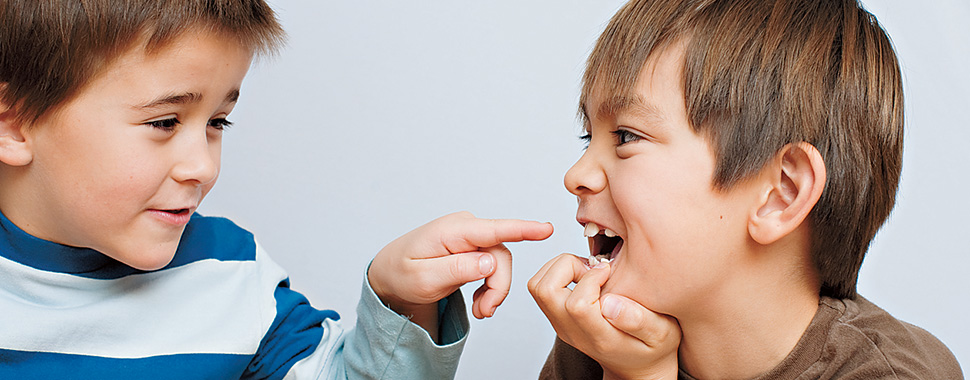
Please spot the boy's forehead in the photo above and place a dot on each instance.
(605, 96)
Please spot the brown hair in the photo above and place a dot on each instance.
(49, 49)
(761, 74)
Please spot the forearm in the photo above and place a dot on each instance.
(426, 316)
(385, 339)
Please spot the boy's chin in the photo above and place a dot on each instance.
(149, 266)
(150, 259)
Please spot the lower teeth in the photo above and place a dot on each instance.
(596, 259)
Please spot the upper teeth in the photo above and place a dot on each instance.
(592, 229)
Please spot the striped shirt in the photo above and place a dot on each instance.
(222, 309)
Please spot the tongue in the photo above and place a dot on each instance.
(616, 249)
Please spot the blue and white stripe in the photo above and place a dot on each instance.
(222, 309)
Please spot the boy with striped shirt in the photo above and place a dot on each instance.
(111, 120)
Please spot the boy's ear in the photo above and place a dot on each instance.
(14, 148)
(795, 180)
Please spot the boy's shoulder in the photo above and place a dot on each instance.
(854, 338)
(847, 339)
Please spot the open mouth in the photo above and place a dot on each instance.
(604, 244)
(181, 211)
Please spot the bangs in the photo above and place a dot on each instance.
(637, 31)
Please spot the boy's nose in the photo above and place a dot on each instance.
(197, 160)
(586, 176)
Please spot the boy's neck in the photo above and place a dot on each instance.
(753, 323)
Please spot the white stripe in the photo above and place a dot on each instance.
(324, 362)
(208, 306)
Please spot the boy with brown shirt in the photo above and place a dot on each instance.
(742, 155)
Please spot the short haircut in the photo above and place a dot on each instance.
(49, 49)
(761, 74)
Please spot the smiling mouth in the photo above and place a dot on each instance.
(604, 244)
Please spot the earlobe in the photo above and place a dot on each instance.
(14, 147)
(795, 181)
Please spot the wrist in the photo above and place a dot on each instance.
(424, 315)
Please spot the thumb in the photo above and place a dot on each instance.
(642, 323)
(460, 268)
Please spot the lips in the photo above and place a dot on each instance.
(605, 244)
(175, 216)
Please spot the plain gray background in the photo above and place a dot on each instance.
(380, 116)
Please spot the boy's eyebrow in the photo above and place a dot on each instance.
(632, 104)
(620, 104)
(185, 98)
(233, 96)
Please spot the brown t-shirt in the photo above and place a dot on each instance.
(847, 339)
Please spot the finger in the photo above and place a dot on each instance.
(447, 273)
(587, 289)
(542, 272)
(556, 275)
(477, 302)
(550, 289)
(499, 282)
(463, 233)
(583, 304)
(576, 314)
(642, 323)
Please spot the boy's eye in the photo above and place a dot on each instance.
(586, 138)
(220, 123)
(623, 137)
(164, 124)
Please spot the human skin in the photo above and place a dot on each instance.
(724, 262)
(121, 166)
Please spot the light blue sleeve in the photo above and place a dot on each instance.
(386, 345)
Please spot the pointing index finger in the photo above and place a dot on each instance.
(472, 233)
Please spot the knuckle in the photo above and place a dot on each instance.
(532, 285)
(537, 290)
(458, 269)
(574, 307)
(661, 335)
(464, 214)
(493, 229)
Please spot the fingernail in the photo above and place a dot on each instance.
(602, 264)
(485, 264)
(611, 307)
